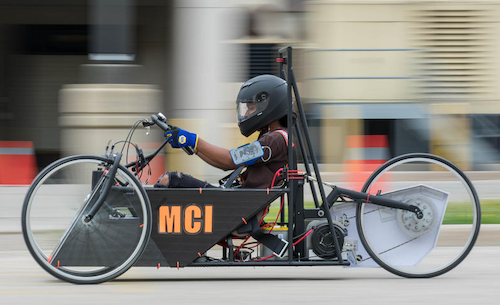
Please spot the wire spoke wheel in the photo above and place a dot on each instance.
(410, 247)
(72, 249)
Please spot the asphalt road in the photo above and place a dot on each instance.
(475, 281)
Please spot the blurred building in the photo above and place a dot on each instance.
(47, 45)
(424, 73)
(74, 73)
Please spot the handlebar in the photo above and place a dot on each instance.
(165, 127)
(108, 178)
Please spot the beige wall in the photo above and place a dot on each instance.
(337, 25)
(453, 56)
(454, 51)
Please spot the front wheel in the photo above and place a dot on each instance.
(70, 248)
(420, 248)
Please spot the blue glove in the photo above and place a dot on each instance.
(178, 138)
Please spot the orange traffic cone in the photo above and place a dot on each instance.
(17, 162)
(364, 155)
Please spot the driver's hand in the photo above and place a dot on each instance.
(178, 138)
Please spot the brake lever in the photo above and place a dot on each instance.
(147, 123)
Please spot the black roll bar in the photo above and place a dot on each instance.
(285, 58)
(301, 127)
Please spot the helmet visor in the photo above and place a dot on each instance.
(248, 108)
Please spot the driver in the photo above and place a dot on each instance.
(261, 106)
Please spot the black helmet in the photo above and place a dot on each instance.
(261, 101)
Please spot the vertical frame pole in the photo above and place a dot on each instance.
(291, 164)
(291, 82)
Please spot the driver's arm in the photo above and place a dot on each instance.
(214, 155)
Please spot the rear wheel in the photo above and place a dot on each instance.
(68, 247)
(410, 247)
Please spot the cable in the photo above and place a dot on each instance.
(131, 133)
(279, 212)
(278, 172)
(302, 234)
(302, 238)
(107, 146)
(266, 210)
(237, 250)
(127, 142)
(263, 259)
(149, 174)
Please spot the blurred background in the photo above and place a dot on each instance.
(423, 76)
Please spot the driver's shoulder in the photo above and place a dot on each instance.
(277, 137)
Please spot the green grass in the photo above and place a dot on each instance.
(461, 213)
(456, 213)
(275, 206)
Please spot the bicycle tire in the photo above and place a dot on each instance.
(461, 215)
(67, 247)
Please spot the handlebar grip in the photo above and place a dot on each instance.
(188, 150)
(160, 124)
